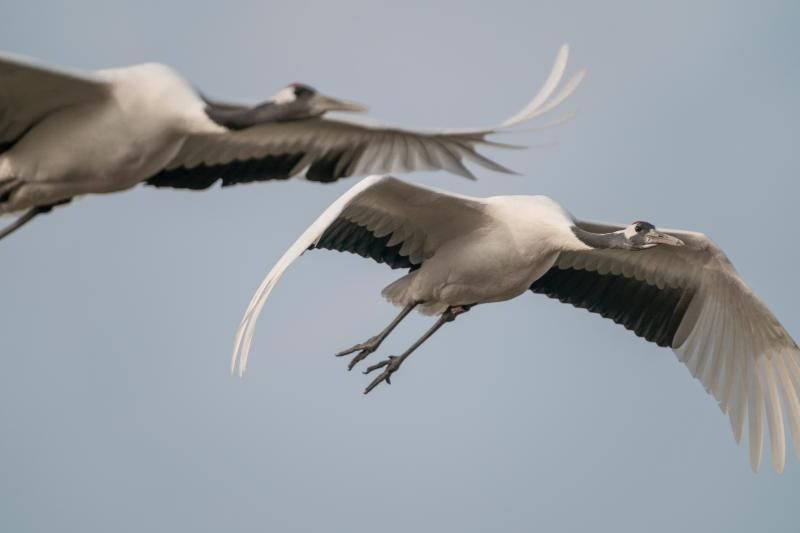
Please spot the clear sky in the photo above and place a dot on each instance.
(116, 406)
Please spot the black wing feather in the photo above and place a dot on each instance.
(326, 168)
(652, 313)
(347, 236)
(271, 167)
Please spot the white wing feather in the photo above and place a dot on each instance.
(728, 339)
(244, 336)
(423, 219)
(29, 91)
(371, 148)
(540, 105)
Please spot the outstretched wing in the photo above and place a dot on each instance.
(692, 300)
(380, 218)
(30, 91)
(327, 150)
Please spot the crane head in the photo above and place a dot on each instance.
(308, 102)
(641, 235)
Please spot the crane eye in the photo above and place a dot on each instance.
(638, 228)
(301, 91)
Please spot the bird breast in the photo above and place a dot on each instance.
(492, 264)
(114, 143)
(500, 261)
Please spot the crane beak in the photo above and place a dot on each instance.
(326, 103)
(656, 237)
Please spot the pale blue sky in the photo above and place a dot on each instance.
(116, 406)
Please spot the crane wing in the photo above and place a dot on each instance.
(381, 218)
(30, 91)
(692, 300)
(326, 150)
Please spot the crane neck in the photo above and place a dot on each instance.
(239, 118)
(602, 241)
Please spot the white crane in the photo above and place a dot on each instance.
(65, 134)
(674, 288)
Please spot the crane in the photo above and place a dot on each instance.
(674, 288)
(64, 134)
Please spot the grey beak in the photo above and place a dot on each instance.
(656, 237)
(326, 103)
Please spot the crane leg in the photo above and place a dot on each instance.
(391, 364)
(366, 348)
(29, 215)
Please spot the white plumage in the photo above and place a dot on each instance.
(675, 288)
(64, 134)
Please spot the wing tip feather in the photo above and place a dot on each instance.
(245, 332)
